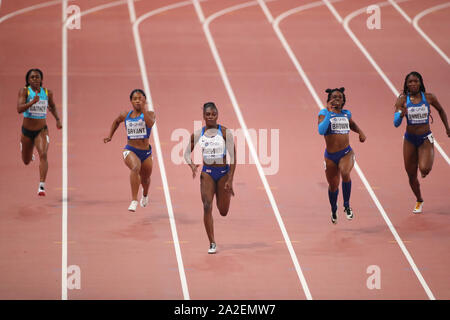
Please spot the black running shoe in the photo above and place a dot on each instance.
(334, 216)
(349, 212)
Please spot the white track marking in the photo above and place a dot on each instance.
(66, 22)
(424, 35)
(30, 8)
(266, 10)
(288, 49)
(400, 10)
(199, 11)
(333, 11)
(252, 149)
(376, 66)
(415, 23)
(64, 156)
(143, 68)
(372, 194)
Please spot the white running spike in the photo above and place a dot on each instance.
(133, 206)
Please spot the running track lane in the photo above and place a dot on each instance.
(429, 230)
(377, 126)
(252, 260)
(122, 255)
(411, 53)
(30, 229)
(335, 258)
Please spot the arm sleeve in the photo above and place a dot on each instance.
(397, 119)
(323, 126)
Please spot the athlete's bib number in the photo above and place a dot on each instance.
(418, 114)
(340, 125)
(39, 108)
(136, 129)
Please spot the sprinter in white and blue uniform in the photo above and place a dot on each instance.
(335, 124)
(418, 143)
(33, 102)
(216, 177)
(137, 154)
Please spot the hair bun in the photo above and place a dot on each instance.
(341, 89)
(328, 91)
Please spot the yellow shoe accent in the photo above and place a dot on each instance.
(418, 208)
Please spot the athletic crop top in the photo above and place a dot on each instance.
(136, 127)
(39, 109)
(338, 123)
(417, 113)
(213, 148)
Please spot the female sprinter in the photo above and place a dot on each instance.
(33, 102)
(418, 149)
(137, 154)
(216, 177)
(335, 124)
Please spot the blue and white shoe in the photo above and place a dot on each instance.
(212, 248)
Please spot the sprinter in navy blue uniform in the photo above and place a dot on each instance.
(216, 177)
(33, 102)
(335, 124)
(418, 143)
(137, 154)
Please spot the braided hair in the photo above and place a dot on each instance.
(405, 85)
(330, 92)
(422, 86)
(28, 74)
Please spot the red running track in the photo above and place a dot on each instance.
(132, 256)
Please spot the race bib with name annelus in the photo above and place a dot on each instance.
(418, 115)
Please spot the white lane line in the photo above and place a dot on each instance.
(346, 22)
(64, 157)
(288, 49)
(266, 10)
(64, 137)
(333, 11)
(66, 22)
(30, 8)
(199, 11)
(400, 10)
(143, 68)
(415, 23)
(424, 35)
(251, 147)
(372, 194)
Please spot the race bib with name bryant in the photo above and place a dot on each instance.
(136, 129)
(339, 125)
(39, 109)
(418, 115)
